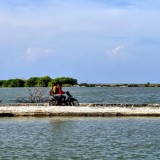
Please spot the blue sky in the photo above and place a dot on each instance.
(94, 41)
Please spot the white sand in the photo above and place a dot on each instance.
(87, 110)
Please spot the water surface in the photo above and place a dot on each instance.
(79, 138)
(93, 94)
(62, 138)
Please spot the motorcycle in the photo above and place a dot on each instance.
(61, 101)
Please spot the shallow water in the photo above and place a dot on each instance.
(92, 94)
(79, 138)
(62, 138)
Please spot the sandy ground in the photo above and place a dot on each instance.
(82, 110)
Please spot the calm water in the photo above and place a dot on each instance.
(62, 138)
(79, 138)
(92, 95)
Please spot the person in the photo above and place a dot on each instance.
(60, 91)
(54, 89)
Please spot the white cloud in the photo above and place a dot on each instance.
(81, 27)
(33, 54)
(116, 51)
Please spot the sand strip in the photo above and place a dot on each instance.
(82, 110)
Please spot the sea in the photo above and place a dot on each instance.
(78, 138)
(105, 95)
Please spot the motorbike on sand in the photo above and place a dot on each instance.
(59, 100)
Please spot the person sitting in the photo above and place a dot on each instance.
(60, 91)
(55, 88)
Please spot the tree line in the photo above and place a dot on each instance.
(45, 81)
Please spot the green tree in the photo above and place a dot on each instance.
(5, 83)
(37, 81)
(65, 80)
(13, 83)
(1, 82)
(17, 83)
(43, 81)
(32, 82)
(147, 85)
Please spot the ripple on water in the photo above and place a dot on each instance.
(79, 138)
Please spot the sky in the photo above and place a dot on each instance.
(93, 41)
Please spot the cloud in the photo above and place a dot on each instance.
(86, 27)
(116, 51)
(35, 53)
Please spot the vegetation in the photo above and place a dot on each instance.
(36, 95)
(46, 81)
(65, 80)
(12, 83)
(37, 82)
(118, 85)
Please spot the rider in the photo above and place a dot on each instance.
(60, 90)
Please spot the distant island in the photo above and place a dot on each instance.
(117, 85)
(47, 81)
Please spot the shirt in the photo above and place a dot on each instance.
(60, 90)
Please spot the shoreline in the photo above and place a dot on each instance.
(84, 110)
